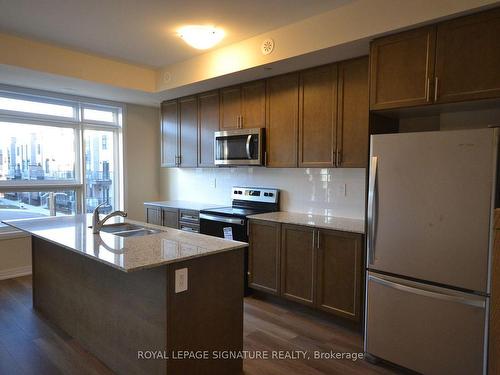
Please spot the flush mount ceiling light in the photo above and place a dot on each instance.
(201, 37)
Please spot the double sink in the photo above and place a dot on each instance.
(128, 230)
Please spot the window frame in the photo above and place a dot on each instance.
(78, 125)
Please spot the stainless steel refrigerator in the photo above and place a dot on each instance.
(429, 240)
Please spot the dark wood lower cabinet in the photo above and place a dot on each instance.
(298, 263)
(154, 216)
(316, 267)
(170, 217)
(340, 272)
(165, 216)
(264, 256)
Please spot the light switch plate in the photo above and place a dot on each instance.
(181, 280)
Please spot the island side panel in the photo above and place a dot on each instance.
(113, 314)
(209, 315)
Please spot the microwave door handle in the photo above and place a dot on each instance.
(225, 148)
(249, 139)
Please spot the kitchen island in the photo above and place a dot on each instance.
(119, 298)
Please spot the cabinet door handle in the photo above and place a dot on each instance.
(436, 82)
(317, 242)
(314, 242)
(241, 122)
(428, 89)
(338, 157)
(265, 158)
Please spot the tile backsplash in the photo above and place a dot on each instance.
(323, 191)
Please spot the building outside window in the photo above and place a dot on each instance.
(58, 155)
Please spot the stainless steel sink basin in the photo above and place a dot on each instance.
(128, 230)
(137, 232)
(119, 227)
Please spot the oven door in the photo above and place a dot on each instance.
(223, 227)
(238, 147)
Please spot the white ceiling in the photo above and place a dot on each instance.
(143, 31)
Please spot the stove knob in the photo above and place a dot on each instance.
(270, 194)
(266, 194)
(235, 192)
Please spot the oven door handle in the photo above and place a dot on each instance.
(222, 219)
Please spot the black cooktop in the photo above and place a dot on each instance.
(233, 211)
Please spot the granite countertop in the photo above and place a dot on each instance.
(185, 205)
(317, 221)
(124, 253)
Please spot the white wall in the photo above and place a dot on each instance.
(141, 156)
(308, 190)
(15, 257)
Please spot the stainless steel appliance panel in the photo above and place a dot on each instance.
(429, 206)
(427, 329)
(239, 147)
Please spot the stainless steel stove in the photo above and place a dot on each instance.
(231, 222)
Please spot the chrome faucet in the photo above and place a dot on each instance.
(97, 224)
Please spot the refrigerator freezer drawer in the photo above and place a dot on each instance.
(427, 329)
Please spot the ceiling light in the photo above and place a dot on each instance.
(201, 37)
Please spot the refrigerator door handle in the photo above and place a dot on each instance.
(372, 205)
(427, 293)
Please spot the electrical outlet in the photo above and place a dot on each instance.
(341, 190)
(181, 280)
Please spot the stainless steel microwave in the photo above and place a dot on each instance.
(239, 147)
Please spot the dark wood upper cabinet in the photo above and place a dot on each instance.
(468, 58)
(169, 134)
(318, 116)
(282, 121)
(208, 119)
(230, 108)
(243, 106)
(402, 69)
(264, 256)
(298, 263)
(353, 114)
(340, 273)
(188, 132)
(253, 105)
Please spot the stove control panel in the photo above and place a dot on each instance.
(255, 194)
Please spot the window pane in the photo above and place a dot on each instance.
(28, 106)
(22, 205)
(99, 170)
(99, 115)
(34, 152)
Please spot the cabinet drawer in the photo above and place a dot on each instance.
(189, 216)
(189, 227)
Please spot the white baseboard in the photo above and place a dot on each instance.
(15, 272)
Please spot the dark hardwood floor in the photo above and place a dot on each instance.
(30, 345)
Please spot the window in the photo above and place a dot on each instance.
(99, 170)
(57, 156)
(27, 162)
(34, 106)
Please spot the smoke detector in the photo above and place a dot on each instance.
(267, 46)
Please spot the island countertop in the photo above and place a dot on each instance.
(124, 253)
